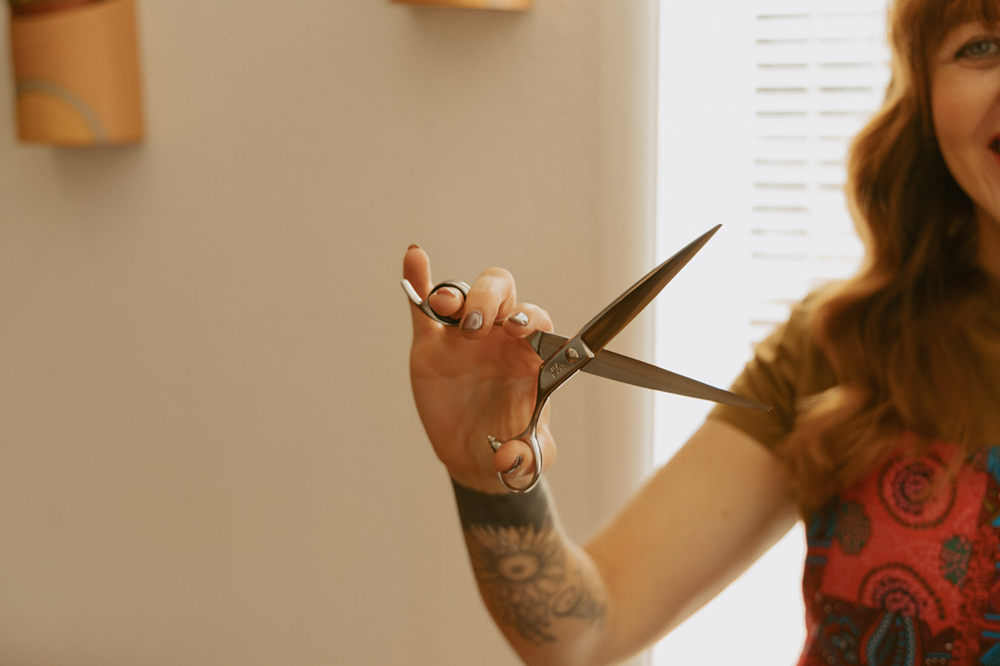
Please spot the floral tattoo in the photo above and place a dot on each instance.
(520, 563)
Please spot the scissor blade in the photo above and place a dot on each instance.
(628, 370)
(605, 326)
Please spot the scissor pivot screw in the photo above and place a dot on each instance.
(572, 355)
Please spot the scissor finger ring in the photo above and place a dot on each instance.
(425, 305)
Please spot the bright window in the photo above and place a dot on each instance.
(758, 100)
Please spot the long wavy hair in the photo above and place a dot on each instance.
(896, 333)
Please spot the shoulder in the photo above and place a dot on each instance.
(787, 367)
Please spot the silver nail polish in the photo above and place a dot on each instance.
(473, 321)
(520, 319)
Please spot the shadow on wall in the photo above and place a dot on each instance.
(100, 170)
(451, 31)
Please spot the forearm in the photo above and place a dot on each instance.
(543, 591)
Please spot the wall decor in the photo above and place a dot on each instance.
(507, 5)
(76, 71)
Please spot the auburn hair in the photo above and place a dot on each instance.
(896, 333)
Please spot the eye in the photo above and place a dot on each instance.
(979, 48)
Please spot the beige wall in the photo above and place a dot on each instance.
(208, 449)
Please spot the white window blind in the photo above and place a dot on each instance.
(818, 75)
(758, 101)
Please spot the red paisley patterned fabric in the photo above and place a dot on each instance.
(903, 572)
(893, 576)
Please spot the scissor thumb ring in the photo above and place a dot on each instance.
(537, 454)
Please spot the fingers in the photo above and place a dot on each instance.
(515, 460)
(491, 297)
(417, 269)
(446, 301)
(524, 319)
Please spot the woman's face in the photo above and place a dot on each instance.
(965, 100)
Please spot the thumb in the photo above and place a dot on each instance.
(516, 461)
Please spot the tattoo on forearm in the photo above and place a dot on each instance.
(520, 564)
(520, 571)
(577, 601)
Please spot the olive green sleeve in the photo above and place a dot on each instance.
(787, 366)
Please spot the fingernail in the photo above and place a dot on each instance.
(520, 318)
(517, 463)
(448, 291)
(473, 321)
(413, 247)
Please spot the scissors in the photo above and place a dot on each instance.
(564, 357)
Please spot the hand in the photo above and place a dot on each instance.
(476, 380)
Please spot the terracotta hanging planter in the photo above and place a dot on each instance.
(76, 72)
(505, 5)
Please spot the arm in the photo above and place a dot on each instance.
(543, 591)
(695, 526)
(701, 521)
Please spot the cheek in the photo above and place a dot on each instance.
(949, 114)
(963, 104)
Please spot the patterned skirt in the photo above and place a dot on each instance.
(901, 570)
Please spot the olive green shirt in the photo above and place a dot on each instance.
(788, 366)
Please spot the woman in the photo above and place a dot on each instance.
(885, 435)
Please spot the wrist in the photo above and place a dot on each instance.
(486, 485)
(503, 509)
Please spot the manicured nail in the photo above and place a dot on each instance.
(448, 291)
(473, 321)
(520, 319)
(517, 463)
(413, 247)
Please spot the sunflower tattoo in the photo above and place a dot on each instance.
(521, 564)
(522, 570)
